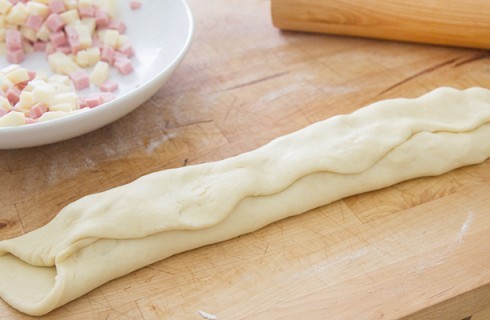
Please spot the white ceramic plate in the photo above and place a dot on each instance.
(160, 32)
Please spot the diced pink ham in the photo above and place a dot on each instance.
(13, 95)
(71, 32)
(107, 54)
(87, 12)
(58, 39)
(21, 85)
(75, 45)
(38, 110)
(124, 66)
(93, 100)
(15, 56)
(34, 22)
(101, 18)
(135, 4)
(16, 108)
(49, 49)
(109, 86)
(13, 39)
(97, 43)
(73, 40)
(82, 102)
(127, 50)
(39, 46)
(54, 22)
(57, 6)
(80, 79)
(32, 74)
(117, 25)
(3, 112)
(65, 49)
(117, 55)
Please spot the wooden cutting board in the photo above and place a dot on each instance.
(419, 250)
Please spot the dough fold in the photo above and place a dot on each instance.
(107, 235)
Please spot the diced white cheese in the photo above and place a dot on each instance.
(44, 93)
(70, 16)
(90, 23)
(84, 36)
(28, 48)
(18, 75)
(10, 68)
(65, 107)
(88, 58)
(100, 73)
(17, 14)
(50, 115)
(68, 97)
(93, 55)
(8, 25)
(5, 6)
(34, 83)
(109, 6)
(71, 4)
(13, 119)
(43, 33)
(28, 33)
(85, 3)
(110, 38)
(62, 88)
(5, 104)
(42, 1)
(82, 58)
(5, 83)
(41, 75)
(122, 40)
(61, 63)
(37, 9)
(58, 78)
(25, 101)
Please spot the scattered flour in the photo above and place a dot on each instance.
(440, 257)
(207, 316)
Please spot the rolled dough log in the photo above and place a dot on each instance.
(107, 235)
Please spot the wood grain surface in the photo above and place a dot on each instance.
(419, 249)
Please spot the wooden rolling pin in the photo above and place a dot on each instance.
(448, 22)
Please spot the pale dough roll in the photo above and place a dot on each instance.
(103, 236)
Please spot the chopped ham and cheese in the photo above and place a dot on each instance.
(82, 40)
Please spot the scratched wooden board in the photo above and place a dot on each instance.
(420, 249)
